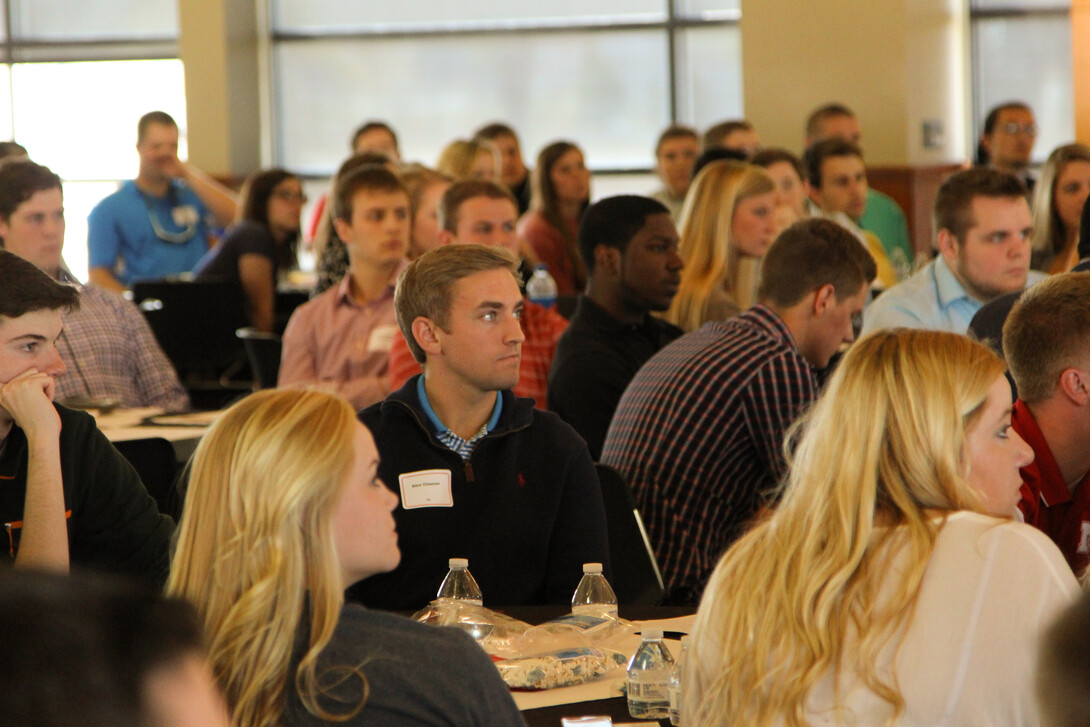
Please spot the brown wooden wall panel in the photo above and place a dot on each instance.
(914, 188)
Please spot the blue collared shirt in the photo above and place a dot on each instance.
(464, 447)
(932, 298)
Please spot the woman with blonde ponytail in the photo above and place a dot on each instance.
(285, 510)
(890, 586)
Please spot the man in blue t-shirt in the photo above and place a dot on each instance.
(157, 224)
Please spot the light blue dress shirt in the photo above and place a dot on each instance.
(932, 298)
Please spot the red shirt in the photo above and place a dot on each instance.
(542, 327)
(1047, 503)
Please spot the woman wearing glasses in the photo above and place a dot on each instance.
(284, 511)
(261, 244)
(890, 585)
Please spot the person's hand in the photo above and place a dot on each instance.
(28, 399)
(172, 166)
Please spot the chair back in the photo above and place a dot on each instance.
(156, 462)
(195, 322)
(636, 576)
(263, 350)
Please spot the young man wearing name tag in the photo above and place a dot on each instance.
(480, 473)
(341, 339)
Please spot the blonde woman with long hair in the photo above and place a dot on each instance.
(284, 511)
(727, 224)
(890, 585)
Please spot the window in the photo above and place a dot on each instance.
(1021, 51)
(74, 79)
(607, 74)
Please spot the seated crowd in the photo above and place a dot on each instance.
(882, 531)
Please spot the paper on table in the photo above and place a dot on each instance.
(680, 624)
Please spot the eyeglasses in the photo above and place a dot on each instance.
(1013, 128)
(288, 196)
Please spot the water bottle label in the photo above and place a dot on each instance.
(544, 302)
(648, 691)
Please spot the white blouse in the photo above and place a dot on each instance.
(969, 656)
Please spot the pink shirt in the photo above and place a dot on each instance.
(335, 341)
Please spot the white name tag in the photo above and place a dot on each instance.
(1084, 539)
(427, 488)
(382, 338)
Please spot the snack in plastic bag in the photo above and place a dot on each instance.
(558, 669)
(568, 650)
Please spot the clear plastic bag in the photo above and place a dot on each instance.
(565, 651)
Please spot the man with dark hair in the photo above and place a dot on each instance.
(108, 347)
(484, 213)
(881, 215)
(675, 154)
(836, 183)
(699, 432)
(514, 173)
(1006, 143)
(984, 227)
(1046, 339)
(341, 339)
(157, 224)
(630, 247)
(67, 495)
(102, 653)
(376, 136)
(481, 474)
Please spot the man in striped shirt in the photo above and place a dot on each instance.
(699, 432)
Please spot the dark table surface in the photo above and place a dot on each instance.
(616, 708)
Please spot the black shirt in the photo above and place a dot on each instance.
(595, 360)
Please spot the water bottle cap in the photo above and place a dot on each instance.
(458, 563)
(652, 634)
(592, 568)
(541, 266)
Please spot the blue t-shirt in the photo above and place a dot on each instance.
(137, 236)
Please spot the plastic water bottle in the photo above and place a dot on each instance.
(674, 687)
(541, 288)
(594, 596)
(459, 585)
(649, 678)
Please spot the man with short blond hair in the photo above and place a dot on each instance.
(481, 474)
(484, 213)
